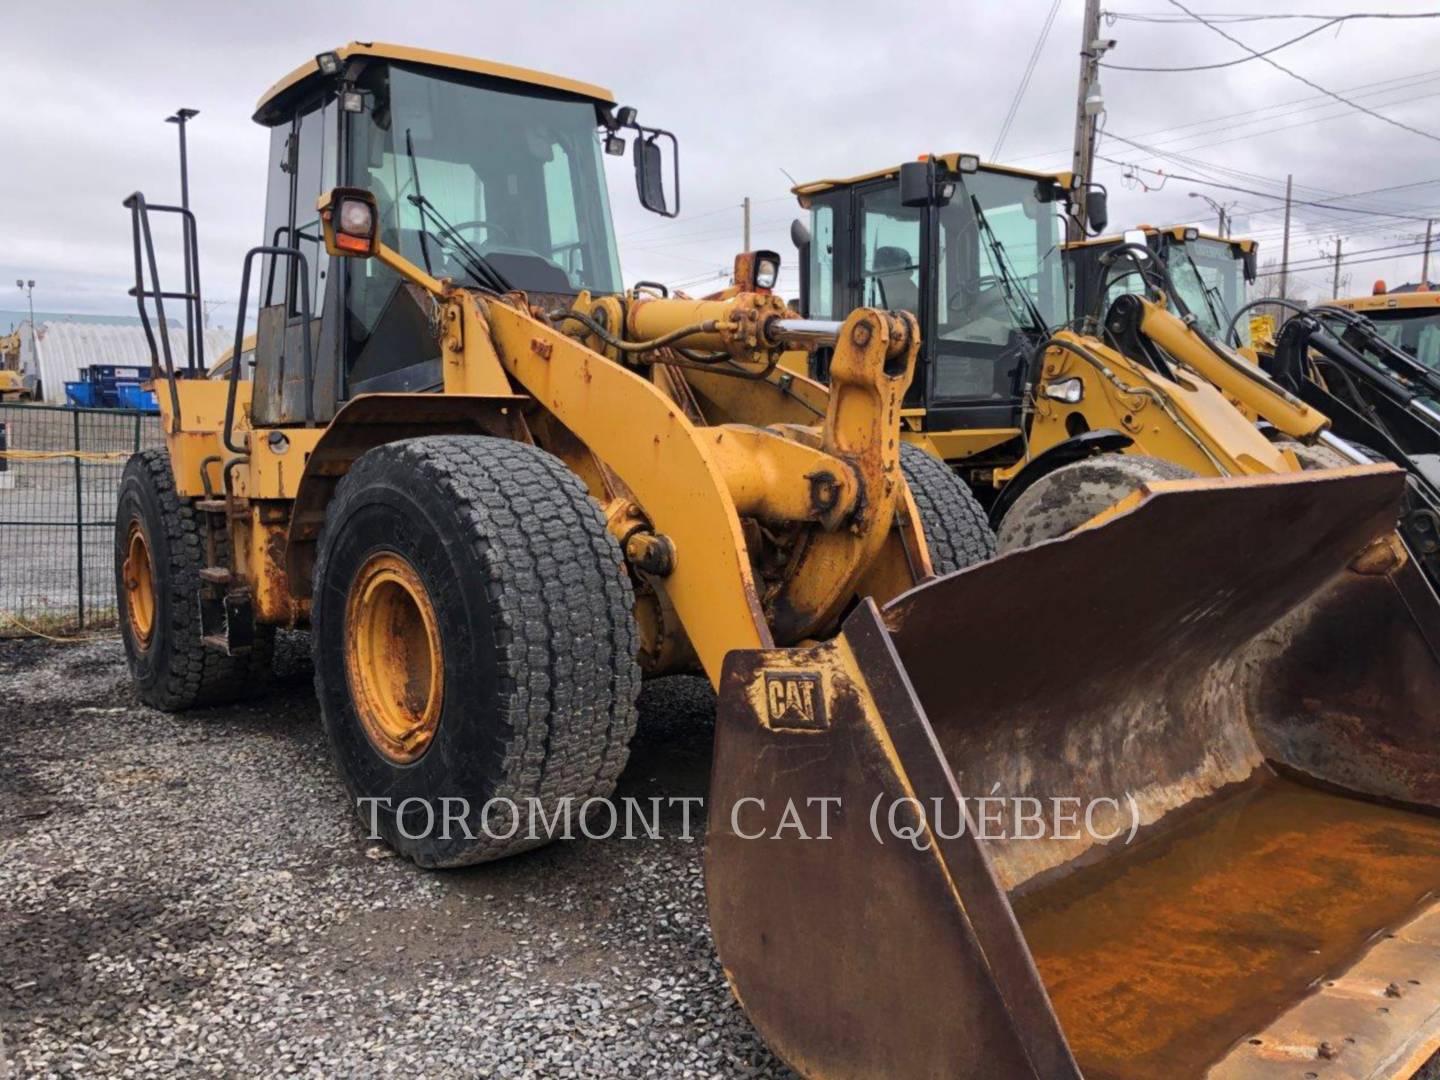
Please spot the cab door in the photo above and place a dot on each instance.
(302, 166)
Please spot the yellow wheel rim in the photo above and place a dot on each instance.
(139, 578)
(393, 657)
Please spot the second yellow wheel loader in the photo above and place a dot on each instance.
(498, 490)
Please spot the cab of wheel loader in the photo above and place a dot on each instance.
(483, 173)
(1210, 273)
(976, 256)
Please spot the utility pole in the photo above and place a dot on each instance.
(1335, 287)
(1089, 104)
(1425, 263)
(746, 206)
(1285, 246)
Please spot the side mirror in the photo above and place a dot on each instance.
(650, 172)
(350, 221)
(1097, 211)
(799, 234)
(917, 183)
(1249, 263)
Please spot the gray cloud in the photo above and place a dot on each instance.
(813, 89)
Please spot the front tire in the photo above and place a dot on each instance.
(956, 528)
(474, 640)
(1063, 500)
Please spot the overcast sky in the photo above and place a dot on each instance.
(813, 90)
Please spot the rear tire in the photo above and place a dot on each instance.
(495, 578)
(1065, 499)
(159, 551)
(957, 530)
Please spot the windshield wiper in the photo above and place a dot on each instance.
(1007, 279)
(1205, 290)
(478, 267)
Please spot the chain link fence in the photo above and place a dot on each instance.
(59, 475)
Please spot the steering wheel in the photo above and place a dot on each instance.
(985, 284)
(480, 223)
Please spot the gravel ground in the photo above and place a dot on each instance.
(193, 895)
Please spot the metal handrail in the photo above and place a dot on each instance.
(235, 365)
(143, 245)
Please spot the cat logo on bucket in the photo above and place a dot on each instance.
(793, 699)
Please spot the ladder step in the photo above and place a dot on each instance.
(215, 575)
(211, 506)
(218, 642)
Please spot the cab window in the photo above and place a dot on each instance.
(821, 301)
(889, 251)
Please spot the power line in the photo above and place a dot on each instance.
(1367, 211)
(1264, 194)
(1024, 81)
(1313, 85)
(1398, 251)
(1382, 86)
(1229, 17)
(1231, 63)
(1327, 262)
(1285, 127)
(688, 218)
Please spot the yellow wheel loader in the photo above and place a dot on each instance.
(1209, 273)
(1043, 378)
(1408, 318)
(498, 489)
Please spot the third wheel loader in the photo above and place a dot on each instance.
(1326, 367)
(498, 489)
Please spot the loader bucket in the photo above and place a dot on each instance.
(1223, 700)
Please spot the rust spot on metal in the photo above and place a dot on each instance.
(1381, 557)
(1161, 958)
(824, 490)
(861, 333)
(541, 348)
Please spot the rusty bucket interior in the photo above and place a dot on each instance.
(1236, 681)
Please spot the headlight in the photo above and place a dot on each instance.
(355, 217)
(766, 271)
(1070, 391)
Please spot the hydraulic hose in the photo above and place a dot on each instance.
(1290, 305)
(707, 327)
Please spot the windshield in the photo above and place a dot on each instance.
(1415, 331)
(516, 173)
(1210, 281)
(975, 301)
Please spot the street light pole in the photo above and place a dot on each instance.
(180, 119)
(28, 288)
(1219, 209)
(187, 232)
